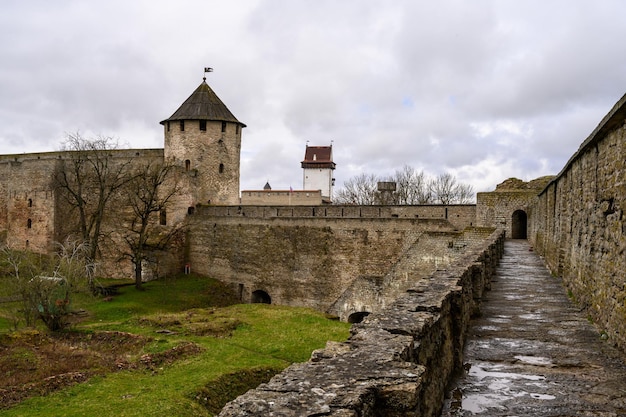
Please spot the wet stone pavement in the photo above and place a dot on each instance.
(533, 352)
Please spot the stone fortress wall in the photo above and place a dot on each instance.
(578, 224)
(396, 362)
(32, 216)
(334, 259)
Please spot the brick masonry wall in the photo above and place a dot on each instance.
(578, 225)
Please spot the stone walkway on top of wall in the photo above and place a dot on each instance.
(533, 352)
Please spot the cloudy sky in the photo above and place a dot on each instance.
(483, 89)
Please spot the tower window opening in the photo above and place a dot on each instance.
(163, 218)
(182, 125)
(29, 223)
(191, 210)
(30, 202)
(203, 125)
(168, 126)
(223, 127)
(187, 164)
(221, 168)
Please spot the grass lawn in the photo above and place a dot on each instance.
(198, 352)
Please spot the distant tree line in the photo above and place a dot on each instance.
(412, 187)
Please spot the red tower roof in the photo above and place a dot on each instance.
(318, 157)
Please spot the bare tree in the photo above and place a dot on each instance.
(359, 190)
(446, 190)
(465, 194)
(147, 196)
(412, 187)
(88, 180)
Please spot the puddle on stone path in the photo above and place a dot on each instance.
(531, 316)
(501, 386)
(500, 319)
(479, 372)
(488, 328)
(534, 360)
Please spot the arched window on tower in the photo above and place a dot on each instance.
(203, 125)
(182, 125)
(221, 168)
(187, 164)
(223, 126)
(29, 223)
(30, 202)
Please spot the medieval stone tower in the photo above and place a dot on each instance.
(204, 138)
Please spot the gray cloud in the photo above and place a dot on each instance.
(485, 90)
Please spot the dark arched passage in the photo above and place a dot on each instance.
(261, 297)
(519, 225)
(358, 316)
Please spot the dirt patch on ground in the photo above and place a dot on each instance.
(198, 322)
(34, 363)
(219, 392)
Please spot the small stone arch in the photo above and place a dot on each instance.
(519, 225)
(358, 316)
(261, 297)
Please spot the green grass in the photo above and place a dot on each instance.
(254, 336)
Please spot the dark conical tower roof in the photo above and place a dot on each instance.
(203, 104)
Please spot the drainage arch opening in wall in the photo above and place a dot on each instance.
(358, 316)
(261, 297)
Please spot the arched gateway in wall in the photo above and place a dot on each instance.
(519, 225)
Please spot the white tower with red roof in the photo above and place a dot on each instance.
(318, 167)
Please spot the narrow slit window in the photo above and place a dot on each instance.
(187, 165)
(203, 125)
(168, 126)
(29, 223)
(163, 218)
(30, 202)
(182, 125)
(223, 126)
(221, 168)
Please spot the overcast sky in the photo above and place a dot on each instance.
(485, 90)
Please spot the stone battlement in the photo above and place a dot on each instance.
(459, 215)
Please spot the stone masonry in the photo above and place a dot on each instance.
(578, 224)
